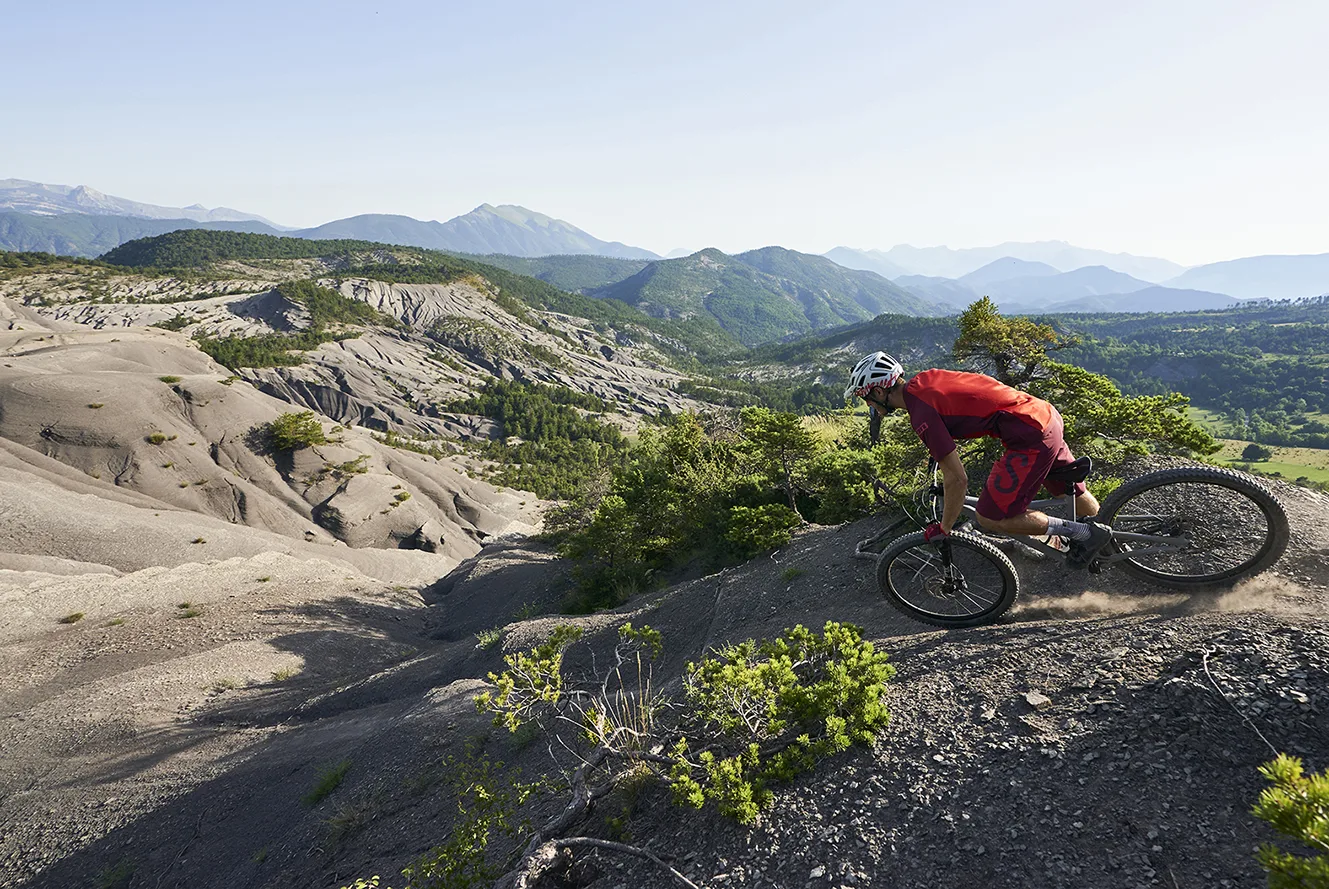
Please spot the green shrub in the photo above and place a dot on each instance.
(1297, 806)
(777, 708)
(293, 431)
(156, 438)
(72, 618)
(170, 379)
(1256, 453)
(756, 529)
(329, 779)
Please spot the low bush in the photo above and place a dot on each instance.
(293, 431)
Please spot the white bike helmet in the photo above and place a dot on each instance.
(877, 369)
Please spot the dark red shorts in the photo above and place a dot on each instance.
(1016, 477)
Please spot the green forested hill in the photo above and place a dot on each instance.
(763, 295)
(1262, 371)
(576, 273)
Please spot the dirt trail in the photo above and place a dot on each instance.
(180, 749)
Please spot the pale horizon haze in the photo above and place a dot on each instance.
(1194, 131)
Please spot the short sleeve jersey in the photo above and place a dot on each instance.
(944, 405)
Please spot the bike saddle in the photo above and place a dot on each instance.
(1073, 472)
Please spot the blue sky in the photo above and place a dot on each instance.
(1191, 130)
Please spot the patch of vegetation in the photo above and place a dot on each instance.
(331, 316)
(285, 673)
(170, 379)
(198, 540)
(293, 431)
(789, 575)
(489, 638)
(96, 405)
(159, 438)
(557, 449)
(750, 716)
(186, 610)
(224, 684)
(121, 874)
(329, 779)
(176, 323)
(1297, 806)
(72, 618)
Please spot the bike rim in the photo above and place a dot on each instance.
(1228, 530)
(973, 585)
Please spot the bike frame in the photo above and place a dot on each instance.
(1142, 544)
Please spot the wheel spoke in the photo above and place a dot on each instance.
(963, 592)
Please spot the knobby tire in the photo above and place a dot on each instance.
(909, 576)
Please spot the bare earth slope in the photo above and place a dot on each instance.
(184, 759)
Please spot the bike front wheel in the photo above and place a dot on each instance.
(963, 581)
(1227, 526)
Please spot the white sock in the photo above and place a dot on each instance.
(1063, 528)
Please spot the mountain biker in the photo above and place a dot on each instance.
(944, 405)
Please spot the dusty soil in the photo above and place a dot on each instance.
(172, 751)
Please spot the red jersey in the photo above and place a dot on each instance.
(944, 405)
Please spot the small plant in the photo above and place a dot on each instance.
(157, 438)
(72, 618)
(352, 817)
(170, 379)
(187, 610)
(198, 540)
(264, 579)
(527, 611)
(402, 497)
(96, 405)
(224, 684)
(1297, 806)
(260, 856)
(285, 673)
(489, 638)
(789, 575)
(329, 779)
(168, 464)
(291, 432)
(117, 876)
(226, 382)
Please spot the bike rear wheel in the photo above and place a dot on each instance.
(1235, 527)
(977, 586)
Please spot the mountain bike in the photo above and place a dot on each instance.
(1192, 528)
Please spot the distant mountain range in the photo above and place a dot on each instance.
(1022, 286)
(75, 221)
(944, 262)
(506, 229)
(1275, 277)
(1036, 276)
(49, 200)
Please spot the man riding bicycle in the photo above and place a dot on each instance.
(944, 405)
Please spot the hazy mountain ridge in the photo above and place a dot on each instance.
(1273, 276)
(945, 262)
(507, 229)
(40, 198)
